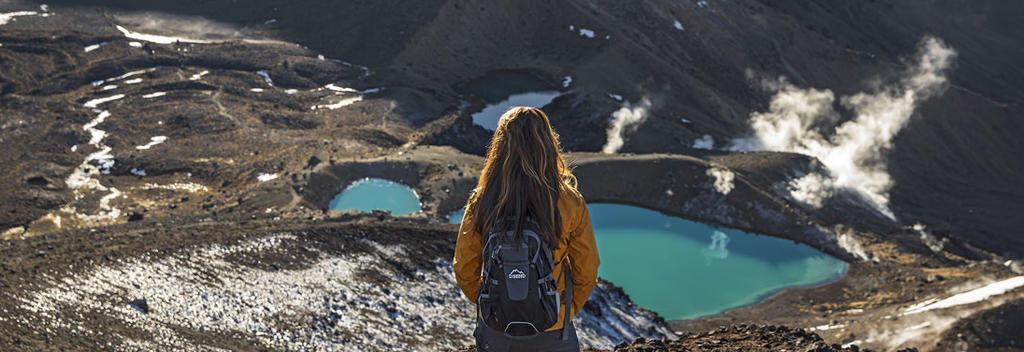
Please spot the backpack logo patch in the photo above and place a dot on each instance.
(516, 274)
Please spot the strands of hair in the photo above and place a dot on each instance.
(523, 176)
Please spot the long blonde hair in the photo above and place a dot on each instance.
(524, 176)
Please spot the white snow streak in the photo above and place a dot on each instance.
(972, 296)
(96, 102)
(7, 17)
(152, 141)
(159, 39)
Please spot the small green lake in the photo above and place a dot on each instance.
(685, 269)
(371, 193)
(455, 217)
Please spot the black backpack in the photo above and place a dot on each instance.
(519, 295)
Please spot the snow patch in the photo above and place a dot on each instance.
(92, 47)
(826, 327)
(199, 75)
(10, 16)
(972, 296)
(154, 95)
(266, 177)
(82, 179)
(266, 77)
(583, 32)
(152, 141)
(126, 75)
(678, 25)
(96, 102)
(341, 103)
(566, 81)
(156, 38)
(333, 87)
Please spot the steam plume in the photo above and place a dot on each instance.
(625, 120)
(723, 179)
(852, 151)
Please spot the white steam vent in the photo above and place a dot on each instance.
(723, 179)
(624, 120)
(854, 150)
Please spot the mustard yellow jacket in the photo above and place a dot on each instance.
(576, 245)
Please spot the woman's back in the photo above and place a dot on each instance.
(523, 178)
(576, 237)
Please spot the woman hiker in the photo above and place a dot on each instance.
(526, 232)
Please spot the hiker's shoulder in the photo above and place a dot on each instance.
(572, 198)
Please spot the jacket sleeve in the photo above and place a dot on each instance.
(583, 260)
(468, 261)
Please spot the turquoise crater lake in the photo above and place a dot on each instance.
(455, 217)
(370, 193)
(685, 269)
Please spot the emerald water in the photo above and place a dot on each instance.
(505, 89)
(371, 193)
(685, 269)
